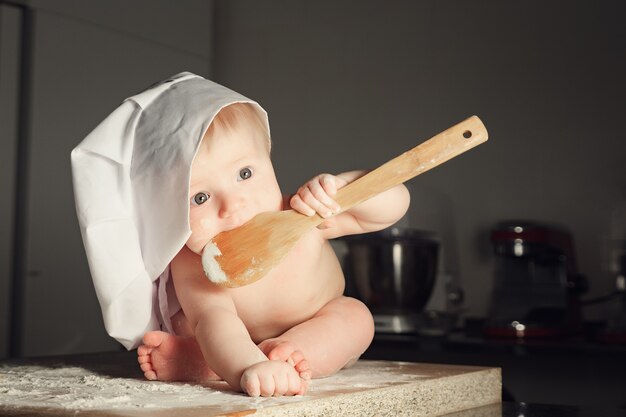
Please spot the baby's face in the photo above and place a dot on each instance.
(232, 180)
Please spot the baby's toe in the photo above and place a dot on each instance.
(143, 359)
(295, 384)
(144, 350)
(282, 352)
(281, 385)
(296, 358)
(268, 385)
(250, 384)
(304, 386)
(304, 370)
(148, 371)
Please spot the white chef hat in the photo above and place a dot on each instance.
(131, 179)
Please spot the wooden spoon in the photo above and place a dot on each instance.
(244, 255)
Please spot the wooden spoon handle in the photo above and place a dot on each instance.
(435, 151)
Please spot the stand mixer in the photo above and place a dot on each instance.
(537, 288)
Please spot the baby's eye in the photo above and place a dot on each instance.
(245, 173)
(200, 198)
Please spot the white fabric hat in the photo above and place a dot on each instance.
(131, 179)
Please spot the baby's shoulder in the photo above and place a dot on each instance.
(186, 267)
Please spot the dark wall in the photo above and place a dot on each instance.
(85, 59)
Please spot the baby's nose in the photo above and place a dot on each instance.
(231, 205)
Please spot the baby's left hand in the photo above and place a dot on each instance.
(317, 196)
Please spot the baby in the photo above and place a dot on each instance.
(268, 338)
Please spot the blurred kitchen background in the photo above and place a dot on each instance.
(350, 84)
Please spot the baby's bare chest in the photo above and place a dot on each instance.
(308, 278)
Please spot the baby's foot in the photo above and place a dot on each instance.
(272, 378)
(286, 351)
(166, 357)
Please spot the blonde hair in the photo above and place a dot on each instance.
(235, 115)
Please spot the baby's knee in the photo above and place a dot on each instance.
(366, 320)
(359, 316)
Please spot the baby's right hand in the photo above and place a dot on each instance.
(317, 196)
(272, 378)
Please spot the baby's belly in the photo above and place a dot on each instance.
(308, 278)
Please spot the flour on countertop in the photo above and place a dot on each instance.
(71, 387)
(74, 387)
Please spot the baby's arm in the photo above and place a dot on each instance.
(223, 338)
(317, 196)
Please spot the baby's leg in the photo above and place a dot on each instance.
(334, 338)
(166, 357)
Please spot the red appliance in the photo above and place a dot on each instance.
(537, 289)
